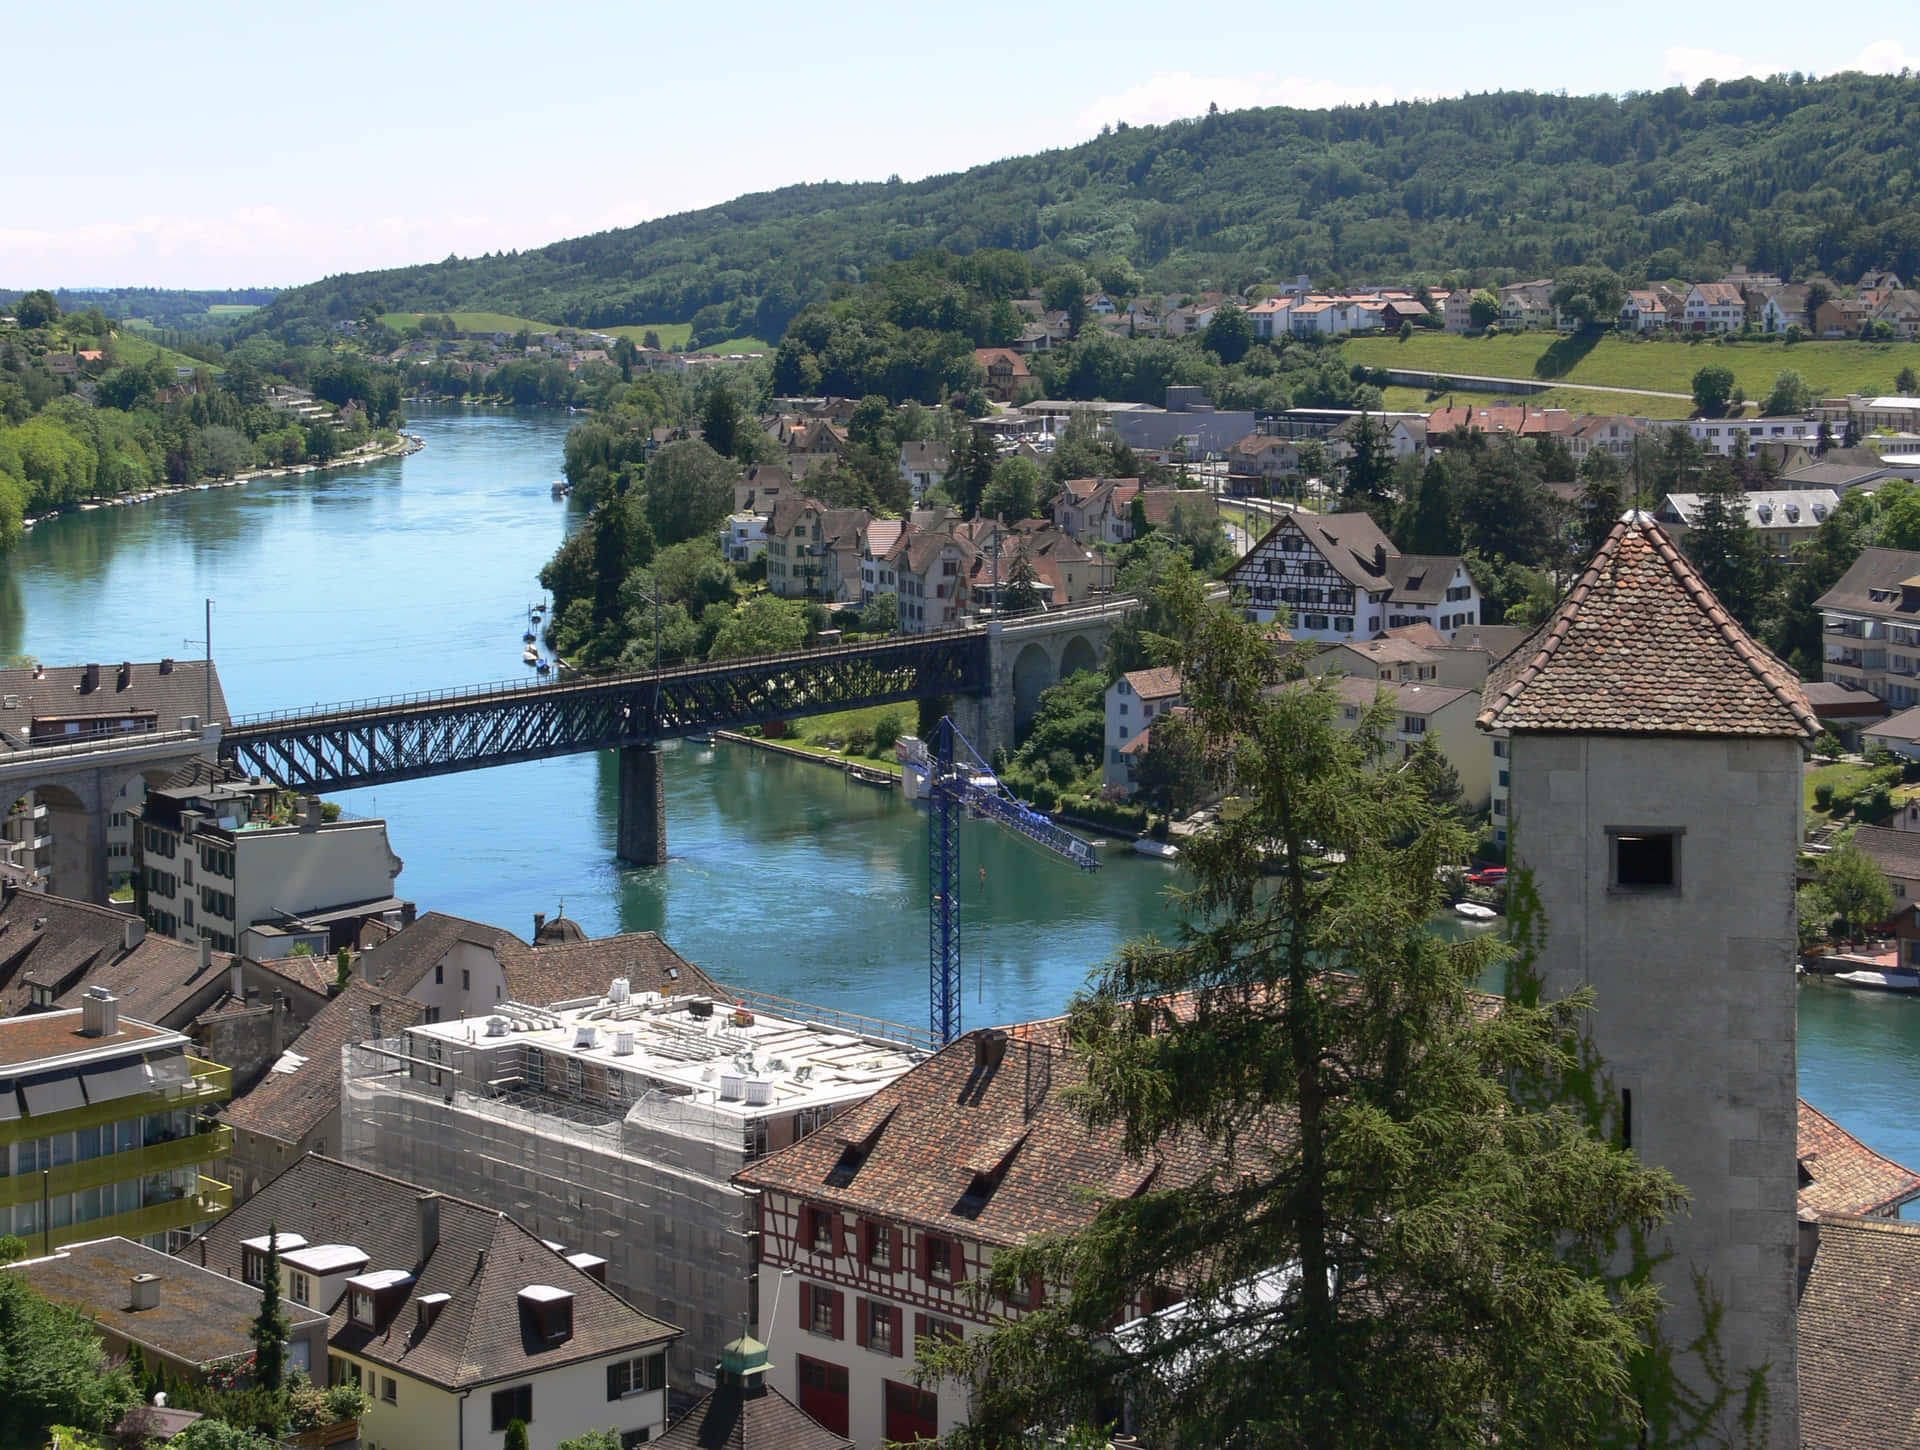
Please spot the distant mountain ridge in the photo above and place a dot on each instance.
(1788, 176)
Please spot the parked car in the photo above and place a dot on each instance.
(1488, 876)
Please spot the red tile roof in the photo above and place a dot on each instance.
(1154, 684)
(1840, 1174)
(1641, 646)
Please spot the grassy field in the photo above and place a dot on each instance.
(672, 334)
(470, 322)
(138, 352)
(738, 344)
(232, 309)
(1830, 368)
(815, 731)
(1639, 405)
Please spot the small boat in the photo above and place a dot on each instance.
(1156, 850)
(543, 667)
(1874, 981)
(560, 488)
(1474, 911)
(529, 638)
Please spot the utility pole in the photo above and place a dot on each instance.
(208, 720)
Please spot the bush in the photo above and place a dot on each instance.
(1909, 771)
(1823, 796)
(1873, 804)
(892, 725)
(1043, 796)
(1114, 815)
(859, 741)
(1061, 767)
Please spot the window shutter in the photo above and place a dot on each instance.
(895, 1315)
(839, 1299)
(1036, 1291)
(925, 1265)
(919, 1327)
(806, 1306)
(866, 1241)
(835, 1227)
(957, 1260)
(861, 1314)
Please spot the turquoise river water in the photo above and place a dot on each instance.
(416, 574)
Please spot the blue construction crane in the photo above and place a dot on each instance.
(959, 781)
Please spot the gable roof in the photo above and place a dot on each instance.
(1640, 646)
(1854, 1397)
(478, 1257)
(1420, 578)
(170, 689)
(1840, 1174)
(1160, 684)
(757, 1418)
(1897, 853)
(301, 1089)
(1352, 545)
(1880, 571)
(931, 1132)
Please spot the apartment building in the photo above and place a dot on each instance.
(1133, 702)
(1728, 437)
(112, 1112)
(617, 1122)
(211, 863)
(1871, 627)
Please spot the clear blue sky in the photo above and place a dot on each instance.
(234, 144)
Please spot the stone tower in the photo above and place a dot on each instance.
(1656, 799)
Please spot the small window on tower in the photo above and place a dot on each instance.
(1645, 860)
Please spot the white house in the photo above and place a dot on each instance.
(1714, 307)
(745, 537)
(1133, 702)
(454, 1319)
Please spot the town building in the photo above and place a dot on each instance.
(1870, 623)
(213, 864)
(745, 537)
(1427, 713)
(813, 552)
(616, 1122)
(877, 1231)
(453, 1318)
(742, 1412)
(924, 465)
(1614, 436)
(1005, 372)
(1133, 702)
(1656, 757)
(1747, 437)
(1840, 1174)
(110, 1109)
(1854, 1275)
(1780, 519)
(1714, 307)
(1337, 575)
(931, 569)
(185, 1322)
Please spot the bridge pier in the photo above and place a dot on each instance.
(642, 830)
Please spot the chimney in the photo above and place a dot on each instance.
(1809, 1241)
(1380, 558)
(145, 1291)
(99, 1013)
(236, 985)
(309, 812)
(989, 1048)
(89, 679)
(281, 1010)
(166, 667)
(123, 676)
(428, 1205)
(206, 953)
(539, 921)
(132, 933)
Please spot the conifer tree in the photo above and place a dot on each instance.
(1399, 1233)
(270, 1325)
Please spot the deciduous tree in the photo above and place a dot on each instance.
(1854, 889)
(1712, 390)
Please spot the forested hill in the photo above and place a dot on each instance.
(1785, 176)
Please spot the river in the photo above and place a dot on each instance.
(415, 574)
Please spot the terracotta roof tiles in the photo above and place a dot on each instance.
(1859, 1325)
(1641, 646)
(1840, 1174)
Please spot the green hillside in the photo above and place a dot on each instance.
(1832, 369)
(471, 321)
(1794, 177)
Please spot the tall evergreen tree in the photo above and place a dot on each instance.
(1368, 472)
(1383, 1230)
(1727, 552)
(270, 1325)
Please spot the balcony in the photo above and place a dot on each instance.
(208, 1083)
(211, 1199)
(185, 1152)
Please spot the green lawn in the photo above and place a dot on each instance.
(1830, 368)
(1638, 405)
(813, 732)
(739, 344)
(232, 309)
(672, 334)
(470, 321)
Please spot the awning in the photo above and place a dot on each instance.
(53, 1094)
(116, 1080)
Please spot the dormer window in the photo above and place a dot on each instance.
(361, 1309)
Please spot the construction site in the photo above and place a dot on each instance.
(613, 1126)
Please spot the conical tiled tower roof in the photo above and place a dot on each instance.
(1640, 646)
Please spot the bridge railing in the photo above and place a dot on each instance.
(94, 744)
(529, 689)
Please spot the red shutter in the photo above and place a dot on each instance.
(860, 1316)
(806, 1306)
(919, 1327)
(1036, 1291)
(957, 1260)
(866, 1242)
(839, 1299)
(893, 1313)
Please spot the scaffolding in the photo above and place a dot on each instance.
(648, 1189)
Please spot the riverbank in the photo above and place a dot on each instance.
(881, 773)
(406, 443)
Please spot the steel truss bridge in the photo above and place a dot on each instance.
(410, 737)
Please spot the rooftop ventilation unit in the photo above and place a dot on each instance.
(623, 1044)
(586, 1036)
(621, 989)
(496, 1027)
(733, 1087)
(759, 1092)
